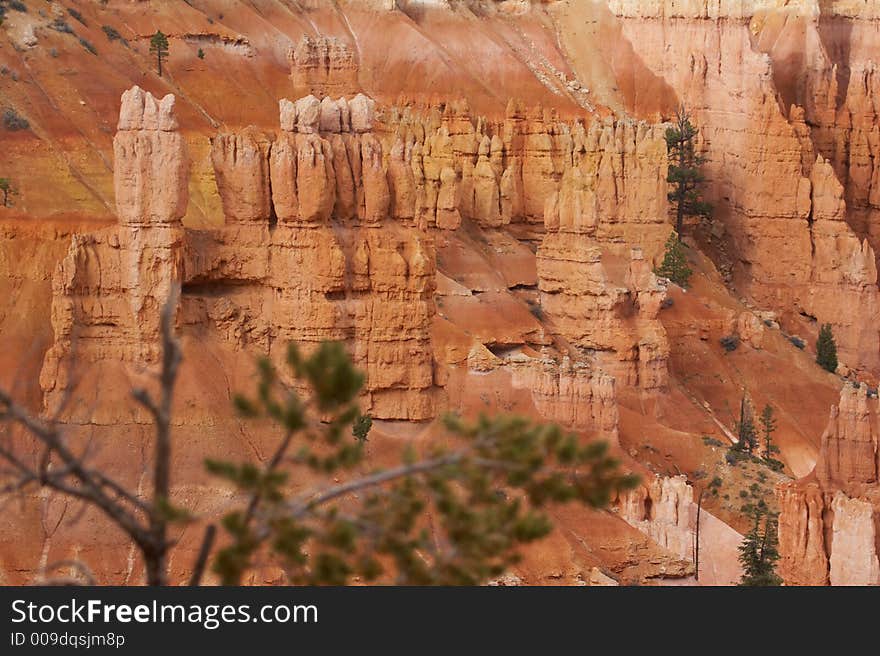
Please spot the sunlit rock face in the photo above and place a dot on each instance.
(827, 525)
(473, 202)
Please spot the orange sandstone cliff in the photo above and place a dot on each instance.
(470, 195)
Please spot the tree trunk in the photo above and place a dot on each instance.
(679, 218)
(697, 538)
(156, 566)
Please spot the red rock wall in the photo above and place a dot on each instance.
(797, 246)
(828, 521)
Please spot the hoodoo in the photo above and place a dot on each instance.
(462, 214)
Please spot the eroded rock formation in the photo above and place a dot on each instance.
(664, 509)
(616, 322)
(763, 119)
(827, 525)
(323, 66)
(109, 289)
(289, 276)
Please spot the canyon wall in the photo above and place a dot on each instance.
(762, 87)
(277, 272)
(474, 207)
(328, 236)
(828, 522)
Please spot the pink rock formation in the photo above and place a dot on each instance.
(827, 521)
(151, 172)
(664, 509)
(614, 188)
(372, 289)
(323, 66)
(853, 546)
(762, 121)
(241, 168)
(617, 322)
(848, 456)
(570, 393)
(842, 289)
(111, 286)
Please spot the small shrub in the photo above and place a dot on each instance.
(88, 46)
(711, 441)
(17, 5)
(536, 311)
(734, 455)
(12, 121)
(78, 16)
(61, 25)
(743, 494)
(200, 54)
(53, 52)
(774, 464)
(111, 33)
(361, 427)
(667, 303)
(798, 342)
(700, 474)
(716, 482)
(730, 343)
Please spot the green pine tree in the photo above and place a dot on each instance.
(7, 189)
(745, 428)
(159, 47)
(768, 427)
(361, 427)
(201, 54)
(759, 552)
(826, 349)
(675, 266)
(684, 171)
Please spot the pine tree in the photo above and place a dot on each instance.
(759, 552)
(745, 428)
(675, 266)
(768, 426)
(826, 349)
(159, 47)
(7, 189)
(684, 171)
(361, 427)
(201, 54)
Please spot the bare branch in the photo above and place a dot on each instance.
(202, 559)
(144, 522)
(302, 508)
